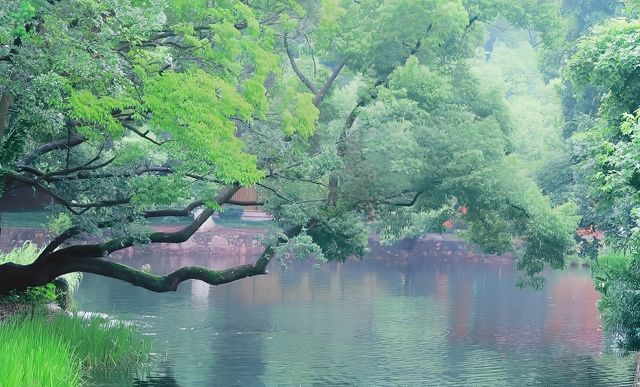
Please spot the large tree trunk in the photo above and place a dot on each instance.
(5, 104)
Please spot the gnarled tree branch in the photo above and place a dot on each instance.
(6, 100)
(319, 96)
(60, 144)
(90, 259)
(306, 81)
(71, 206)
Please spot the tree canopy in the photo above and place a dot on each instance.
(605, 64)
(349, 118)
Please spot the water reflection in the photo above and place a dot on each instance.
(436, 314)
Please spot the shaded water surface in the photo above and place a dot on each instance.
(398, 317)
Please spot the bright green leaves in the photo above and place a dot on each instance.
(60, 223)
(25, 12)
(608, 58)
(302, 118)
(421, 84)
(195, 110)
(255, 93)
(232, 32)
(246, 14)
(264, 63)
(330, 13)
(98, 112)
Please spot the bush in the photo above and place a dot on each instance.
(617, 278)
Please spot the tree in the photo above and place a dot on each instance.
(127, 110)
(133, 107)
(424, 116)
(606, 59)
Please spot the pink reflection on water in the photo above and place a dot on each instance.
(573, 312)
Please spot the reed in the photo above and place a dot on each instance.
(101, 342)
(33, 356)
(62, 350)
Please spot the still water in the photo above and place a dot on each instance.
(398, 317)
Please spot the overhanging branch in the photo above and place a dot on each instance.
(60, 144)
(306, 81)
(46, 269)
(71, 206)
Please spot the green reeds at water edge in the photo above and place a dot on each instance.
(63, 350)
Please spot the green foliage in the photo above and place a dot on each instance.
(59, 223)
(302, 119)
(88, 108)
(542, 15)
(607, 58)
(301, 246)
(606, 149)
(25, 12)
(341, 237)
(150, 84)
(33, 296)
(177, 99)
(395, 28)
(617, 278)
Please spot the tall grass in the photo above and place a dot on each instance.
(101, 342)
(33, 356)
(59, 350)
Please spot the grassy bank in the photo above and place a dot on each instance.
(38, 348)
(62, 350)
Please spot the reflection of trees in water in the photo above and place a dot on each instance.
(238, 348)
(166, 380)
(460, 321)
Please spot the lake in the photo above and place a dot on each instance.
(404, 315)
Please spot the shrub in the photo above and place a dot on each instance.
(617, 278)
